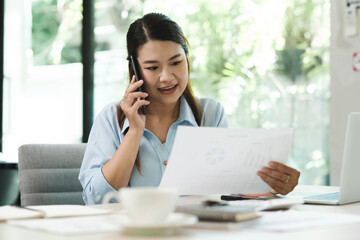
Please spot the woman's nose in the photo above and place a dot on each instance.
(166, 74)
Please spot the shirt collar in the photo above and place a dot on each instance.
(185, 115)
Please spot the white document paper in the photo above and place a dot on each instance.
(12, 212)
(72, 225)
(223, 160)
(291, 220)
(49, 211)
(285, 221)
(56, 211)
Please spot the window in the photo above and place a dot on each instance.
(42, 88)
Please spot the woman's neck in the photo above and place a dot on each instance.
(163, 111)
(160, 117)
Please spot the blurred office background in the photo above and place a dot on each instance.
(266, 61)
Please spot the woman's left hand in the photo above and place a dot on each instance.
(281, 178)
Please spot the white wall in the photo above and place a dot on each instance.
(345, 84)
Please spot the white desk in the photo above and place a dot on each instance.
(343, 232)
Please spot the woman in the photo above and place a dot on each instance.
(128, 148)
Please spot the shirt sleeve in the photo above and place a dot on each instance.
(214, 113)
(222, 119)
(103, 142)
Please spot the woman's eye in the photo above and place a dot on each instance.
(176, 63)
(152, 68)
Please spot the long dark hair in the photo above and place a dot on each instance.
(157, 26)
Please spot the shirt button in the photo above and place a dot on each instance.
(165, 163)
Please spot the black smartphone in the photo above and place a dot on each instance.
(234, 197)
(137, 78)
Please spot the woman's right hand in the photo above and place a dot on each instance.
(132, 101)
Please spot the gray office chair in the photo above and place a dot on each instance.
(48, 174)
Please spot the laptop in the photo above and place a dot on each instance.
(349, 190)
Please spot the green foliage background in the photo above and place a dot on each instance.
(266, 61)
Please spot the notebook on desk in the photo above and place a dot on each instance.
(349, 190)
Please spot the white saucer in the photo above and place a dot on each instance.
(175, 220)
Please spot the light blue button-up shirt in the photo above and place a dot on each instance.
(106, 136)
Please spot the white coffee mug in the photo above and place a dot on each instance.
(145, 204)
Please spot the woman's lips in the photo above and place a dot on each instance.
(168, 90)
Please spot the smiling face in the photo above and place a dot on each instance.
(164, 69)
